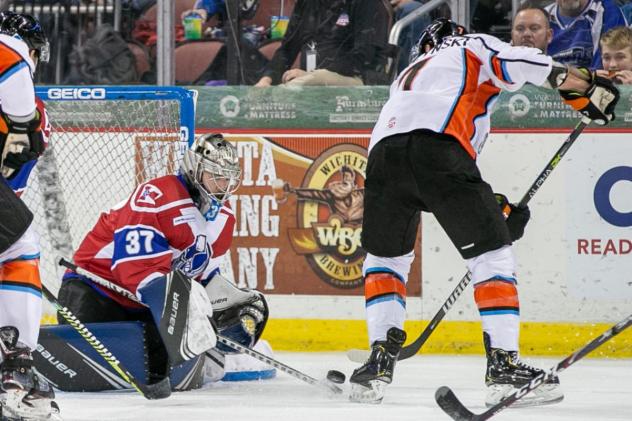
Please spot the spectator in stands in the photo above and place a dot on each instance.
(531, 28)
(573, 23)
(410, 33)
(616, 54)
(343, 42)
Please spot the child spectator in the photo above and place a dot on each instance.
(616, 54)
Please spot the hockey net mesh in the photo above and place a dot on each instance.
(99, 151)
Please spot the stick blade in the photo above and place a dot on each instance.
(159, 390)
(451, 405)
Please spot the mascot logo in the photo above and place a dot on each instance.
(194, 259)
(329, 214)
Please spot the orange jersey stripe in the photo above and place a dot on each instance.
(457, 124)
(24, 272)
(497, 68)
(494, 293)
(376, 284)
(8, 58)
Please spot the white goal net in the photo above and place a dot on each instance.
(104, 142)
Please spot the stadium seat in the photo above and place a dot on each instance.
(269, 47)
(141, 55)
(193, 58)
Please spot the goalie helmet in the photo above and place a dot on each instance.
(215, 156)
(29, 30)
(434, 34)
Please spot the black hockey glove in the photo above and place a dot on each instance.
(516, 217)
(599, 100)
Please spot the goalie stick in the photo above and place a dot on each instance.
(451, 405)
(323, 384)
(358, 355)
(159, 390)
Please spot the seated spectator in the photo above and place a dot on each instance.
(531, 28)
(410, 34)
(616, 55)
(573, 23)
(343, 42)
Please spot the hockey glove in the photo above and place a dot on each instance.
(238, 314)
(19, 143)
(516, 217)
(599, 100)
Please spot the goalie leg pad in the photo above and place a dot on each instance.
(181, 310)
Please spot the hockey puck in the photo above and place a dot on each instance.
(336, 376)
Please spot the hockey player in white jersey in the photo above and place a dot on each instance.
(422, 157)
(23, 393)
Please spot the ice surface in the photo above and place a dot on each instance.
(596, 390)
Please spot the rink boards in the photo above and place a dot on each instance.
(574, 266)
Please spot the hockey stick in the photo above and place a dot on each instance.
(159, 390)
(412, 349)
(451, 405)
(226, 341)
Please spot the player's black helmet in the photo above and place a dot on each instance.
(434, 34)
(27, 28)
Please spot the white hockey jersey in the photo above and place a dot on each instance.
(453, 87)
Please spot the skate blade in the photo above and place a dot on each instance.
(362, 394)
(13, 408)
(547, 394)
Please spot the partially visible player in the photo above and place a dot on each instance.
(23, 137)
(176, 222)
(422, 157)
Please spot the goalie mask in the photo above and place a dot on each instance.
(434, 34)
(27, 28)
(211, 169)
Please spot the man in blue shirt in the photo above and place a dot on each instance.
(577, 27)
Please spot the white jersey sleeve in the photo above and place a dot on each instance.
(17, 94)
(511, 67)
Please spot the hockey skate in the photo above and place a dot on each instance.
(24, 394)
(369, 381)
(506, 373)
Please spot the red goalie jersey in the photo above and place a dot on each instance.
(156, 230)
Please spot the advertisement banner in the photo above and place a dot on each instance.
(600, 218)
(299, 215)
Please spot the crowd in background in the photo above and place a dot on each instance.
(303, 42)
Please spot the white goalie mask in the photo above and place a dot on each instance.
(211, 167)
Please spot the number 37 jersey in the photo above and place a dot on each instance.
(453, 87)
(156, 230)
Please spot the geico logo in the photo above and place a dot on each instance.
(76, 93)
(603, 197)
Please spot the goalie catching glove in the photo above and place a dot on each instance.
(597, 102)
(238, 314)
